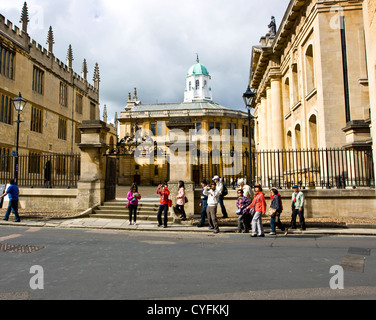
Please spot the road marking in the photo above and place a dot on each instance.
(13, 236)
(34, 230)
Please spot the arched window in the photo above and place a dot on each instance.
(190, 85)
(295, 80)
(310, 69)
(286, 96)
(298, 137)
(312, 123)
(289, 140)
(197, 84)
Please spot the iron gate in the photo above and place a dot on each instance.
(111, 179)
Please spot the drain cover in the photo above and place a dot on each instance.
(17, 248)
(353, 263)
(360, 252)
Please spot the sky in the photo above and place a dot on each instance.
(150, 45)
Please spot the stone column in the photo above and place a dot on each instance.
(276, 115)
(263, 125)
(91, 187)
(269, 128)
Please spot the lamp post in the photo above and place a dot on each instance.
(249, 97)
(19, 104)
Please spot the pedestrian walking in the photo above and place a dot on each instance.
(242, 204)
(203, 204)
(133, 198)
(13, 194)
(164, 193)
(213, 198)
(221, 188)
(259, 206)
(276, 207)
(298, 208)
(180, 202)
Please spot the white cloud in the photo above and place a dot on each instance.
(151, 44)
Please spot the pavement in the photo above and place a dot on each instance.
(151, 226)
(147, 226)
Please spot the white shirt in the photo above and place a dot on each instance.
(213, 197)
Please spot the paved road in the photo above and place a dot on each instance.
(103, 264)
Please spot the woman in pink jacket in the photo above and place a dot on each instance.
(133, 198)
(180, 203)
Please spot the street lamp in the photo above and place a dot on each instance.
(249, 97)
(19, 104)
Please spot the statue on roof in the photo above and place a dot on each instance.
(272, 27)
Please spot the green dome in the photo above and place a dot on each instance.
(198, 69)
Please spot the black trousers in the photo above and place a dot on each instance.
(132, 210)
(295, 214)
(163, 208)
(182, 211)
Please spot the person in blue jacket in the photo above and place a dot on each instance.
(12, 192)
(203, 204)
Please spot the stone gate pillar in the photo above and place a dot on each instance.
(181, 168)
(91, 187)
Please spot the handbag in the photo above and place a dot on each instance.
(186, 200)
(239, 212)
(169, 203)
(272, 213)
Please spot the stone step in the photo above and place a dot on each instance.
(152, 218)
(124, 211)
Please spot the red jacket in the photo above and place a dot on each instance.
(164, 193)
(259, 203)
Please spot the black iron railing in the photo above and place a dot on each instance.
(42, 170)
(322, 168)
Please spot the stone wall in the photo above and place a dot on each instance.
(357, 203)
(51, 199)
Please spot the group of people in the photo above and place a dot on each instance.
(251, 206)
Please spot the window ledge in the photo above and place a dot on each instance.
(296, 106)
(311, 94)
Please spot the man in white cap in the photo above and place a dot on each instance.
(220, 188)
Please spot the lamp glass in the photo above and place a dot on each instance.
(19, 103)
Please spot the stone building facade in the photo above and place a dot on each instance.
(311, 79)
(369, 14)
(58, 98)
(198, 113)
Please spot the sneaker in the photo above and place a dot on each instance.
(129, 223)
(262, 236)
(286, 232)
(272, 234)
(135, 223)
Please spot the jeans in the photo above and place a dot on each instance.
(223, 208)
(257, 227)
(163, 208)
(276, 222)
(132, 210)
(13, 206)
(296, 213)
(203, 213)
